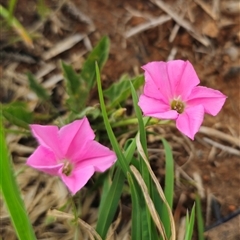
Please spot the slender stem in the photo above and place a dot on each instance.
(133, 121)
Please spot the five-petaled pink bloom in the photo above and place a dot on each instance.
(171, 92)
(70, 153)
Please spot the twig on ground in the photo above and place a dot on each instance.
(136, 13)
(176, 28)
(216, 8)
(62, 46)
(172, 54)
(223, 136)
(199, 185)
(222, 147)
(84, 225)
(182, 22)
(208, 207)
(207, 9)
(153, 22)
(44, 70)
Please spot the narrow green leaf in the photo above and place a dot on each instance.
(169, 187)
(107, 214)
(158, 186)
(121, 90)
(17, 114)
(199, 217)
(11, 7)
(121, 159)
(149, 205)
(11, 194)
(190, 225)
(37, 88)
(143, 169)
(108, 208)
(109, 204)
(136, 227)
(100, 55)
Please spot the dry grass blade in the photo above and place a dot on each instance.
(52, 81)
(63, 46)
(151, 24)
(149, 202)
(182, 227)
(16, 57)
(223, 136)
(91, 231)
(75, 11)
(182, 22)
(114, 226)
(222, 147)
(207, 9)
(230, 7)
(172, 54)
(159, 188)
(199, 185)
(44, 70)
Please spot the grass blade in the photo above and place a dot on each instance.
(190, 225)
(159, 189)
(107, 212)
(169, 187)
(144, 170)
(199, 217)
(11, 195)
(16, 25)
(11, 7)
(109, 203)
(149, 202)
(109, 206)
(136, 211)
(121, 159)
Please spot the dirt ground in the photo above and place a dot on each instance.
(207, 33)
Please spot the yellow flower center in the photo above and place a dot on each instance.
(178, 106)
(67, 168)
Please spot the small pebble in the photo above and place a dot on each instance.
(206, 178)
(231, 208)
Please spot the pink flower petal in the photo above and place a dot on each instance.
(190, 121)
(156, 75)
(77, 179)
(212, 100)
(98, 156)
(156, 108)
(183, 77)
(151, 90)
(44, 160)
(74, 136)
(47, 136)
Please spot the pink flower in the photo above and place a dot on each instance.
(70, 153)
(171, 92)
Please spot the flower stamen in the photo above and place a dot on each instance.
(67, 168)
(178, 106)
